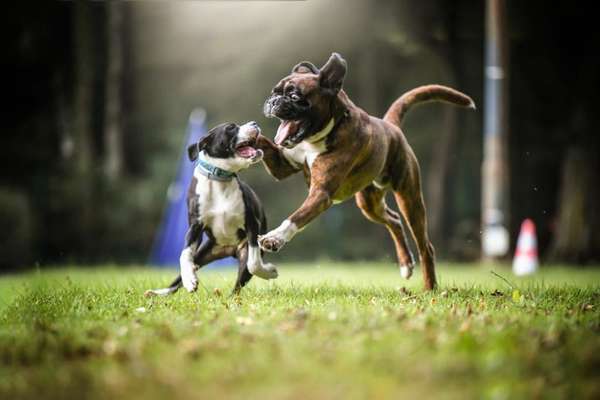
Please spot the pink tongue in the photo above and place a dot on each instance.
(246, 151)
(285, 130)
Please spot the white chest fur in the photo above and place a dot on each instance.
(222, 208)
(304, 152)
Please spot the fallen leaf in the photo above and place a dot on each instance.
(517, 297)
(244, 321)
(465, 326)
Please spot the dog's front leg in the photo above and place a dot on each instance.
(275, 162)
(254, 262)
(187, 267)
(317, 202)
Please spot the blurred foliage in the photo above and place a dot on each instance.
(225, 57)
(17, 235)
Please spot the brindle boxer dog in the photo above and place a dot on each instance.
(345, 152)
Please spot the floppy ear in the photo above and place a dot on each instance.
(305, 67)
(333, 72)
(195, 149)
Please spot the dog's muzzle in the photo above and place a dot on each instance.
(280, 107)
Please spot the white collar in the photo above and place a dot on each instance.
(322, 133)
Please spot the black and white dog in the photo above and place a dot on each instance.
(223, 207)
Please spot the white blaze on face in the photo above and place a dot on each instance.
(243, 156)
(247, 134)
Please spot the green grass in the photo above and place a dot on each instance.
(328, 331)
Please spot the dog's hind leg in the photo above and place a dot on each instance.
(255, 264)
(243, 274)
(205, 254)
(412, 207)
(371, 202)
(193, 246)
(187, 265)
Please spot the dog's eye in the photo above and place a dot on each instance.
(294, 97)
(230, 127)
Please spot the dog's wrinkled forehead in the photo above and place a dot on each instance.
(306, 78)
(303, 83)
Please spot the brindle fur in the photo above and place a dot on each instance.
(366, 157)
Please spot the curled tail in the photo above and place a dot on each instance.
(423, 94)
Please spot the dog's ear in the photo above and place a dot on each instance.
(305, 67)
(333, 72)
(195, 149)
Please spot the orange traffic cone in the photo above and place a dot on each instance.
(526, 255)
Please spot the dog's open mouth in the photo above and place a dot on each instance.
(246, 150)
(287, 129)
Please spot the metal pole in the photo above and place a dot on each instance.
(495, 240)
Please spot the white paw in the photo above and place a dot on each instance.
(272, 241)
(264, 271)
(188, 270)
(406, 271)
(160, 292)
(190, 281)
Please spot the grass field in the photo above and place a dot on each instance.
(327, 331)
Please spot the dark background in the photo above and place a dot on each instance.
(99, 93)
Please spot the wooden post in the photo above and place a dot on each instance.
(495, 242)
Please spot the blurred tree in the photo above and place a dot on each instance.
(17, 234)
(113, 141)
(574, 239)
(443, 40)
(102, 91)
(85, 68)
(443, 30)
(554, 148)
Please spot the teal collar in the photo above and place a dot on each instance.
(213, 172)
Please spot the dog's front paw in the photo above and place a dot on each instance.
(271, 242)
